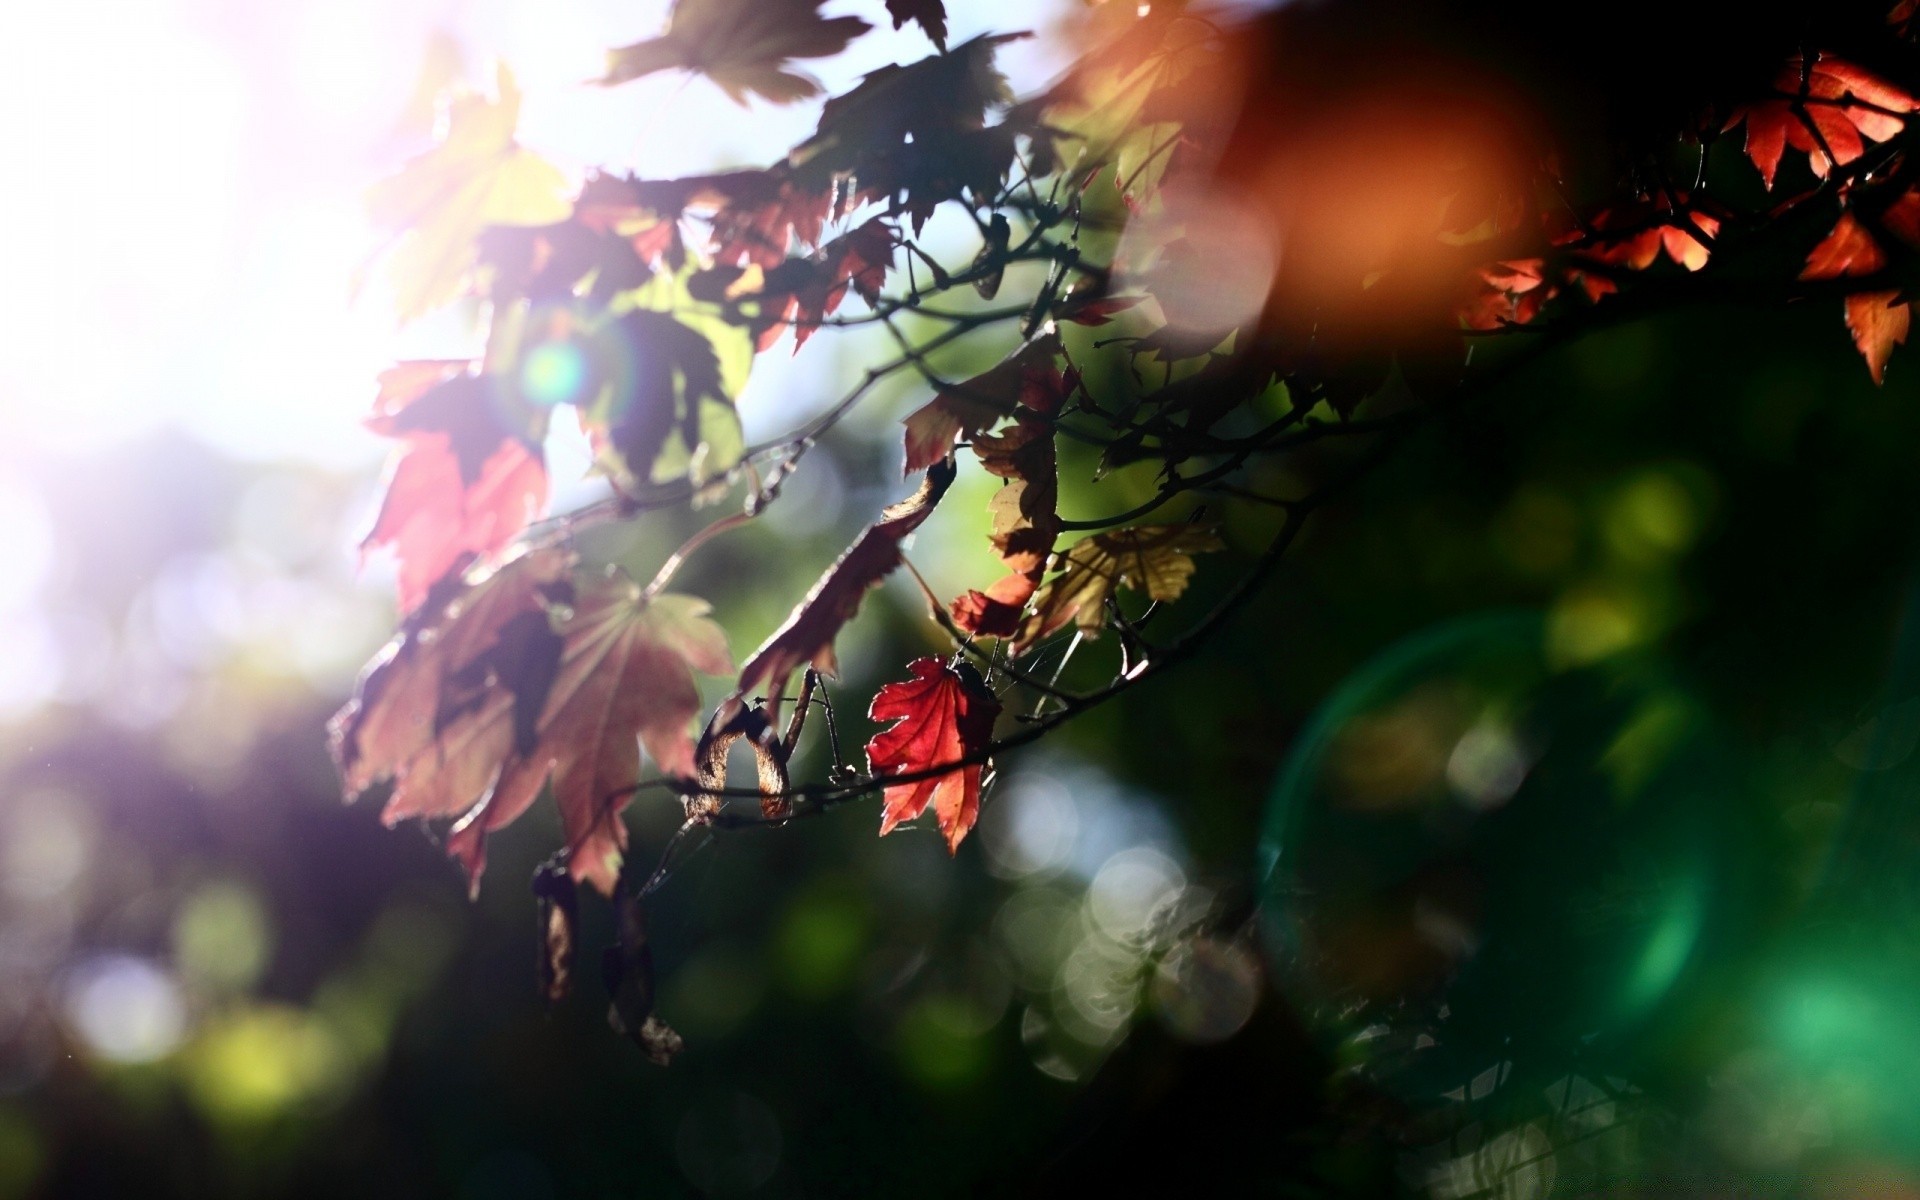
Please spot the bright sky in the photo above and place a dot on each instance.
(186, 223)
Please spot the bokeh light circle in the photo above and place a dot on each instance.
(1480, 864)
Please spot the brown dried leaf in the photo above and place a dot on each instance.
(807, 636)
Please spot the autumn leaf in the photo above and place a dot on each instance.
(803, 292)
(1024, 513)
(1633, 236)
(807, 636)
(444, 704)
(1509, 293)
(1879, 321)
(1828, 110)
(466, 481)
(624, 679)
(662, 370)
(1848, 250)
(931, 14)
(439, 202)
(943, 715)
(1026, 378)
(1155, 559)
(742, 45)
(915, 136)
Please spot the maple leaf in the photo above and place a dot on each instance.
(742, 45)
(916, 135)
(439, 202)
(1879, 321)
(806, 638)
(931, 14)
(466, 482)
(440, 708)
(943, 715)
(624, 679)
(1510, 293)
(1155, 559)
(1633, 236)
(803, 292)
(662, 371)
(1026, 378)
(1847, 250)
(1828, 110)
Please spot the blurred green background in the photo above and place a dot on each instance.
(1620, 705)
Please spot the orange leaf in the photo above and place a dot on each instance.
(1878, 323)
(944, 715)
(1828, 111)
(1848, 250)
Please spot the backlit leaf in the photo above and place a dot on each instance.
(1828, 110)
(624, 679)
(468, 479)
(445, 703)
(1025, 517)
(1879, 321)
(1847, 250)
(942, 715)
(1155, 559)
(439, 202)
(1027, 378)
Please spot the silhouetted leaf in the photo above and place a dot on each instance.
(931, 14)
(742, 45)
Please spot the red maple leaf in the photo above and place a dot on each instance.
(466, 481)
(1828, 110)
(943, 715)
(804, 292)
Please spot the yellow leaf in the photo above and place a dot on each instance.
(1155, 559)
(439, 202)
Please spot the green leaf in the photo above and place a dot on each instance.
(669, 368)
